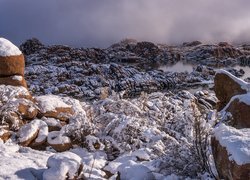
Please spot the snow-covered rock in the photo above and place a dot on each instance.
(8, 49)
(12, 64)
(226, 86)
(66, 165)
(34, 133)
(59, 141)
(231, 150)
(53, 106)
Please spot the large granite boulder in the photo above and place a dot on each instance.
(231, 138)
(226, 86)
(12, 64)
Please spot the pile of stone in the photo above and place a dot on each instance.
(12, 64)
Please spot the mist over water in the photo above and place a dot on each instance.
(99, 23)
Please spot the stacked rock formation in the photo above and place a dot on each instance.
(12, 64)
(231, 138)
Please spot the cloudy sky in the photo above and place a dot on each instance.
(100, 23)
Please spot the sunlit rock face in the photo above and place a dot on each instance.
(12, 64)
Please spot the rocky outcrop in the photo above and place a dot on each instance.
(31, 46)
(226, 86)
(230, 141)
(12, 64)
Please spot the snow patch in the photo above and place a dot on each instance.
(55, 137)
(62, 165)
(7, 48)
(17, 78)
(236, 141)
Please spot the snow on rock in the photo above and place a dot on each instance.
(236, 141)
(133, 171)
(93, 162)
(66, 165)
(55, 137)
(8, 49)
(36, 129)
(18, 78)
(50, 103)
(10, 99)
(10, 92)
(54, 106)
(227, 85)
(236, 112)
(53, 124)
(242, 83)
(142, 154)
(58, 141)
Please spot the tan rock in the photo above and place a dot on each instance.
(38, 145)
(4, 135)
(61, 113)
(27, 110)
(59, 142)
(29, 140)
(12, 81)
(54, 107)
(61, 147)
(12, 65)
(225, 87)
(33, 134)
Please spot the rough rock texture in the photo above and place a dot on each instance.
(10, 98)
(27, 110)
(12, 65)
(225, 88)
(227, 168)
(240, 114)
(11, 80)
(31, 46)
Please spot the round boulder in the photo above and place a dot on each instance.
(11, 58)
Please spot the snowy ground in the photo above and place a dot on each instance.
(148, 137)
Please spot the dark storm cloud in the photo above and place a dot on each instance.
(102, 22)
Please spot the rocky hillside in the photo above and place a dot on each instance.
(113, 114)
(130, 67)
